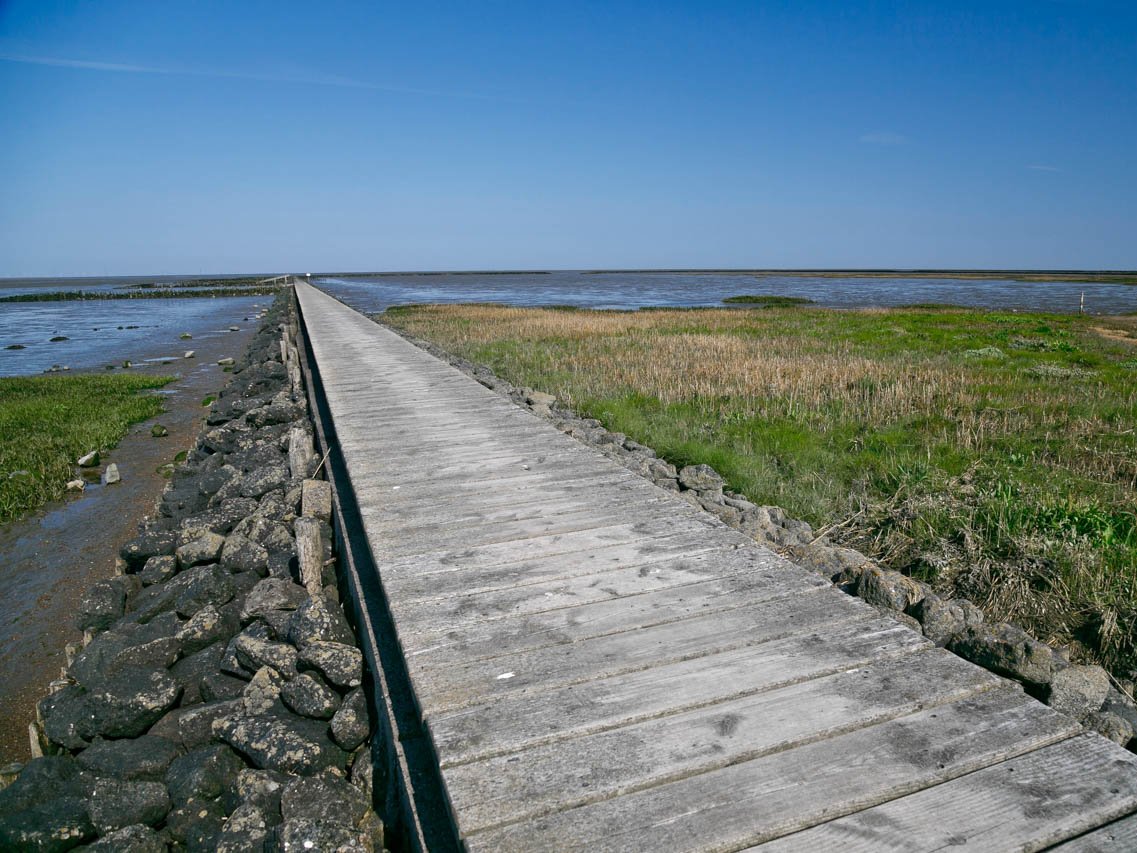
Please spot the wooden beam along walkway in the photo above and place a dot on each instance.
(600, 666)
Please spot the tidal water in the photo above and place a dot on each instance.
(639, 290)
(101, 333)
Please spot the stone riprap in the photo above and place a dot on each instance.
(216, 703)
(1084, 692)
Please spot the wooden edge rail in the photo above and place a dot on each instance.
(416, 808)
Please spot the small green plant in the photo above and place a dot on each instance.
(767, 300)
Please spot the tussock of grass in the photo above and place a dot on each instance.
(47, 422)
(1011, 479)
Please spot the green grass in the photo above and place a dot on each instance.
(767, 300)
(47, 422)
(991, 453)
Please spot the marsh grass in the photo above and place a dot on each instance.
(992, 453)
(47, 422)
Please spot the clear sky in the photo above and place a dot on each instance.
(149, 137)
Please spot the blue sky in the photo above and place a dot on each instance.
(140, 138)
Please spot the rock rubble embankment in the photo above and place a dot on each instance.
(217, 702)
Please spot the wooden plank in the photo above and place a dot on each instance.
(524, 720)
(1027, 803)
(451, 643)
(643, 553)
(441, 688)
(778, 794)
(1118, 837)
(571, 773)
(453, 615)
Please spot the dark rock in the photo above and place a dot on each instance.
(1111, 726)
(205, 773)
(285, 742)
(304, 835)
(56, 824)
(363, 771)
(316, 620)
(68, 718)
(140, 549)
(126, 645)
(105, 602)
(1078, 690)
(130, 839)
(246, 829)
(182, 501)
(230, 663)
(218, 519)
(272, 594)
(352, 722)
(128, 702)
(197, 825)
(158, 570)
(42, 779)
(204, 549)
(242, 554)
(156, 654)
(1007, 650)
(262, 788)
(310, 697)
(195, 723)
(217, 686)
(145, 758)
(340, 664)
(115, 804)
(262, 480)
(323, 798)
(889, 589)
(254, 653)
(277, 413)
(209, 483)
(206, 627)
(210, 585)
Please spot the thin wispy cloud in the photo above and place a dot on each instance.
(305, 78)
(1038, 167)
(884, 137)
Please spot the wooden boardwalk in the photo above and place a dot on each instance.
(602, 667)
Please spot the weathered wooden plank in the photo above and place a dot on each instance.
(444, 687)
(525, 720)
(1027, 803)
(1118, 837)
(570, 773)
(449, 642)
(453, 615)
(778, 794)
(634, 533)
(463, 581)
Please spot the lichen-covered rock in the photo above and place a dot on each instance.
(45, 778)
(197, 825)
(1009, 651)
(246, 829)
(195, 723)
(116, 803)
(206, 548)
(352, 722)
(323, 798)
(942, 620)
(1111, 726)
(254, 653)
(1078, 690)
(205, 773)
(50, 825)
(206, 627)
(892, 590)
(263, 788)
(130, 839)
(310, 697)
(145, 758)
(340, 664)
(281, 742)
(303, 836)
(129, 701)
(701, 478)
(155, 543)
(158, 570)
(262, 692)
(317, 620)
(263, 480)
(242, 554)
(217, 686)
(272, 594)
(190, 671)
(105, 602)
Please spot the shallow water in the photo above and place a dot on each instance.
(638, 290)
(109, 332)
